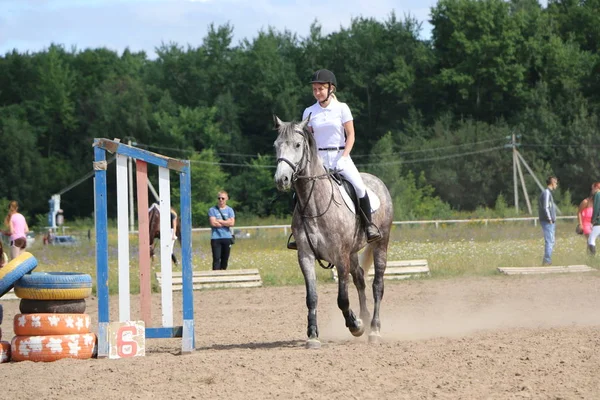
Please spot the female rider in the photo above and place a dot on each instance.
(332, 125)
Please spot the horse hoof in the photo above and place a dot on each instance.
(313, 344)
(374, 338)
(359, 330)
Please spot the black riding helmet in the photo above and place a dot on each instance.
(324, 76)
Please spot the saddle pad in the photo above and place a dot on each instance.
(373, 198)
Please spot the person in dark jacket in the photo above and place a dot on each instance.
(547, 215)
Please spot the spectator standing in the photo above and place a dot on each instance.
(586, 209)
(595, 224)
(547, 215)
(222, 219)
(17, 229)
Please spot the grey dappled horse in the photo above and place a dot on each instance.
(325, 229)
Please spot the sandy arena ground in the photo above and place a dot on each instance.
(533, 337)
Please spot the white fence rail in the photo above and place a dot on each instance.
(436, 222)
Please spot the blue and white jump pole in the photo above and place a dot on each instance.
(182, 167)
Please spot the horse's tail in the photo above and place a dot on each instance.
(366, 258)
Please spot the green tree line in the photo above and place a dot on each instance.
(433, 116)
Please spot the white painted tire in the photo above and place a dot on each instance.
(53, 347)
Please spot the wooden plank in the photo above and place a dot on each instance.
(544, 270)
(217, 279)
(397, 270)
(211, 279)
(407, 263)
(226, 272)
(402, 270)
(222, 285)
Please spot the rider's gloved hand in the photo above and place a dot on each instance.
(342, 163)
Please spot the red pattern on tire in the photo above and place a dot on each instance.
(53, 347)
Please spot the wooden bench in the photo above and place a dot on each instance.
(231, 278)
(544, 270)
(396, 270)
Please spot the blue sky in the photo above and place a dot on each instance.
(32, 25)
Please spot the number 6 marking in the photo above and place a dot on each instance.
(126, 347)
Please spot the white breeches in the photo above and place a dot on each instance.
(594, 235)
(346, 168)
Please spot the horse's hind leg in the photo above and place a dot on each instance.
(355, 325)
(358, 276)
(380, 261)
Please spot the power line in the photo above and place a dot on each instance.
(353, 156)
(436, 148)
(82, 179)
(231, 164)
(368, 164)
(432, 158)
(399, 162)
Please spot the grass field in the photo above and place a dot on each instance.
(451, 250)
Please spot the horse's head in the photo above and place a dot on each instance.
(293, 146)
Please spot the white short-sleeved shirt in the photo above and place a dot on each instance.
(328, 123)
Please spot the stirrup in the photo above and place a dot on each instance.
(291, 244)
(373, 233)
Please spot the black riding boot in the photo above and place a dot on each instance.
(372, 231)
(591, 250)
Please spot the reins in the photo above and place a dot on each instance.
(296, 169)
(304, 217)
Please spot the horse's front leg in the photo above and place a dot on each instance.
(358, 277)
(355, 325)
(307, 265)
(380, 261)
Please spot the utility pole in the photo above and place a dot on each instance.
(515, 164)
(525, 194)
(130, 172)
(534, 177)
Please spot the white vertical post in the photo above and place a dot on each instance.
(123, 239)
(166, 269)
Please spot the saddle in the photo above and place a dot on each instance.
(349, 193)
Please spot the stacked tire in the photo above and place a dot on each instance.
(53, 324)
(11, 273)
(4, 345)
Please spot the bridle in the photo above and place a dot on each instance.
(296, 168)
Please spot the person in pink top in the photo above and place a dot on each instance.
(586, 209)
(17, 229)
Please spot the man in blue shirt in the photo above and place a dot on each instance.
(221, 218)
(547, 214)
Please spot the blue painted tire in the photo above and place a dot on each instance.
(54, 286)
(15, 270)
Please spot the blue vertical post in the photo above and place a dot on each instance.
(188, 336)
(101, 253)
